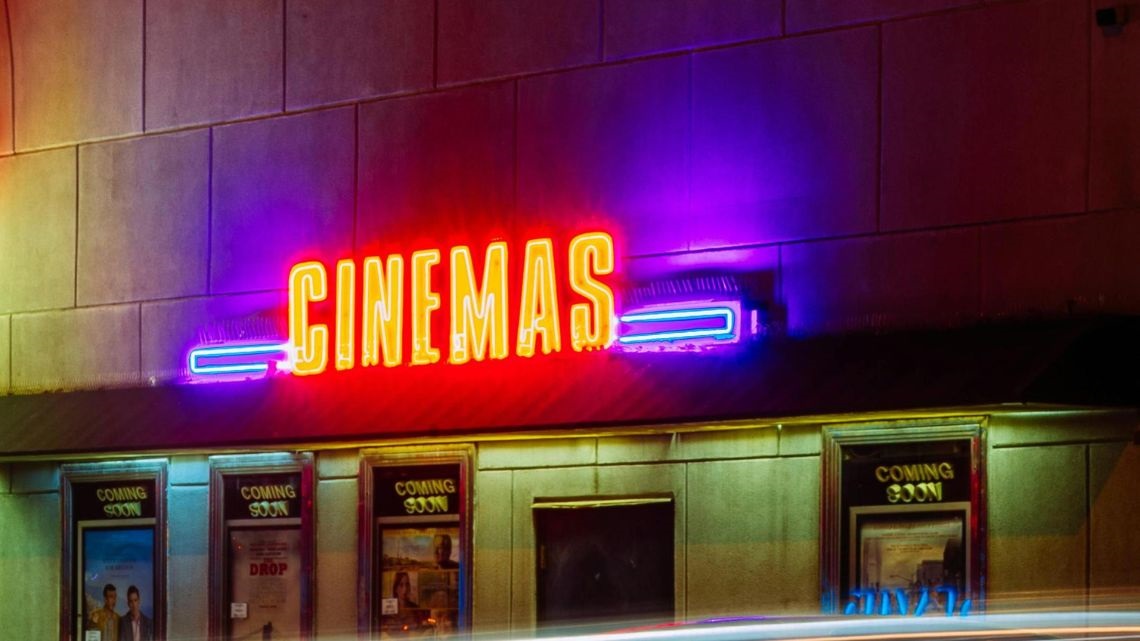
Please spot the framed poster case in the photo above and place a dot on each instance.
(415, 543)
(114, 562)
(903, 518)
(261, 547)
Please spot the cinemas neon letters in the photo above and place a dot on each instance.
(478, 320)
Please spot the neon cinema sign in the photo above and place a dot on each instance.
(478, 310)
(381, 312)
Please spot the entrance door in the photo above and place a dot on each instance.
(604, 565)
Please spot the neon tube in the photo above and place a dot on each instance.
(233, 361)
(727, 331)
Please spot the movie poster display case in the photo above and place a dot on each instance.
(114, 561)
(415, 555)
(904, 518)
(261, 547)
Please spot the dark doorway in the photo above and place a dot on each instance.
(604, 566)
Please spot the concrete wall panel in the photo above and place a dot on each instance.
(743, 443)
(1028, 524)
(189, 470)
(891, 281)
(338, 464)
(757, 522)
(808, 15)
(29, 478)
(1114, 471)
(337, 556)
(1114, 175)
(436, 168)
(212, 60)
(78, 70)
(607, 146)
(282, 193)
(800, 440)
(30, 554)
(143, 218)
(188, 562)
(524, 454)
(774, 159)
(349, 49)
(1055, 428)
(492, 530)
(645, 448)
(37, 231)
(985, 114)
(496, 38)
(5, 353)
(1084, 264)
(639, 27)
(91, 347)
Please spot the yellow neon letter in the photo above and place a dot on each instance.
(424, 302)
(345, 314)
(308, 282)
(383, 311)
(591, 324)
(538, 312)
(475, 323)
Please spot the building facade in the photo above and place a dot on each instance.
(902, 233)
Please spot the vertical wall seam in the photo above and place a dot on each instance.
(879, 137)
(779, 287)
(11, 70)
(284, 53)
(601, 30)
(979, 300)
(435, 47)
(1088, 520)
(209, 209)
(689, 135)
(75, 256)
(515, 152)
(355, 173)
(1088, 117)
(140, 342)
(685, 564)
(144, 65)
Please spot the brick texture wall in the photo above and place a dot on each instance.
(882, 163)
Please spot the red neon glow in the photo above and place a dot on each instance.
(479, 305)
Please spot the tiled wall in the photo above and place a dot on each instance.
(883, 162)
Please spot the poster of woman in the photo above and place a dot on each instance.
(419, 581)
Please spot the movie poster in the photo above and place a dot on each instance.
(114, 560)
(265, 583)
(419, 581)
(919, 555)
